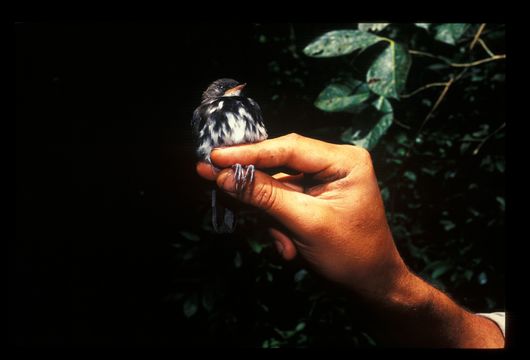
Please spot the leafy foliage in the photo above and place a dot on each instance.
(434, 122)
(337, 43)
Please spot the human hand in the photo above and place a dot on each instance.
(332, 210)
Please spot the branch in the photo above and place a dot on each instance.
(423, 88)
(481, 42)
(399, 123)
(478, 62)
(479, 146)
(433, 109)
(477, 36)
(448, 62)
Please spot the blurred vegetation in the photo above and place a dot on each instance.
(428, 100)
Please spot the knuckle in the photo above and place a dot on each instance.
(358, 158)
(293, 136)
(363, 155)
(265, 196)
(356, 152)
(264, 153)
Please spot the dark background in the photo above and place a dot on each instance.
(105, 172)
(106, 183)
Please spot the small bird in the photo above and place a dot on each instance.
(226, 117)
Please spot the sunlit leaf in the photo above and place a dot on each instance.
(340, 42)
(423, 25)
(450, 33)
(372, 26)
(342, 97)
(388, 73)
(382, 104)
(369, 141)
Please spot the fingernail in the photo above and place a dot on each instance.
(279, 247)
(226, 181)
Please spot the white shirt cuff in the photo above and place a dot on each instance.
(499, 318)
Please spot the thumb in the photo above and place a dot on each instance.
(284, 203)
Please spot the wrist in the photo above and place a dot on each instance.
(414, 313)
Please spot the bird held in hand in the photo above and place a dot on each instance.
(227, 117)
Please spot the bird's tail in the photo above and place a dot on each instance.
(228, 223)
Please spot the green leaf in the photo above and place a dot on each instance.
(189, 236)
(190, 306)
(440, 270)
(342, 97)
(388, 73)
(271, 343)
(450, 33)
(410, 175)
(447, 224)
(501, 202)
(255, 246)
(383, 105)
(300, 275)
(340, 42)
(423, 25)
(300, 327)
(499, 164)
(482, 278)
(372, 138)
(372, 26)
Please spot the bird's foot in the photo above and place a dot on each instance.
(249, 175)
(238, 177)
(243, 176)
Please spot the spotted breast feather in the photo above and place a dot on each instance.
(227, 121)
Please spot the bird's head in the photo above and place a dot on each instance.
(222, 87)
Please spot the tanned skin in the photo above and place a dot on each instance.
(332, 214)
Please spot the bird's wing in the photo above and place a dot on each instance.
(197, 121)
(256, 110)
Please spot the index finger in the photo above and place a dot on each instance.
(293, 151)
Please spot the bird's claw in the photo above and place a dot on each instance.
(243, 176)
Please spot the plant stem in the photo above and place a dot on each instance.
(423, 88)
(477, 149)
(478, 62)
(477, 36)
(433, 109)
(483, 44)
(474, 63)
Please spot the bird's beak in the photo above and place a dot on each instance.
(235, 89)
